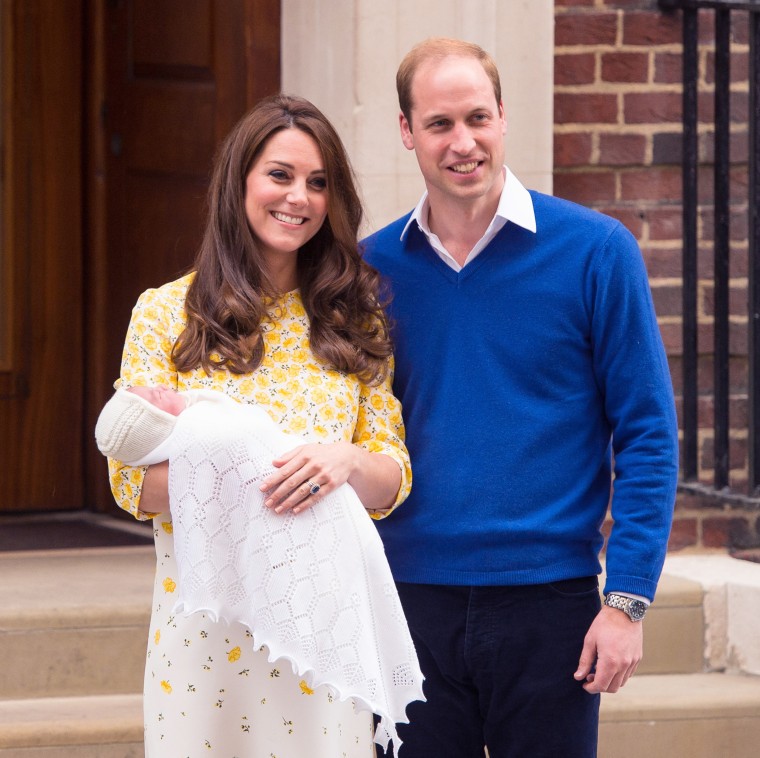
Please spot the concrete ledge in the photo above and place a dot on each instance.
(70, 722)
(731, 608)
(69, 662)
(682, 716)
(97, 586)
(74, 622)
(683, 696)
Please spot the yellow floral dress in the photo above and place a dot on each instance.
(207, 691)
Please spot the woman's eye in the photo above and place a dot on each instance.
(278, 175)
(319, 184)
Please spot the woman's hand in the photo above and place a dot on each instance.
(375, 477)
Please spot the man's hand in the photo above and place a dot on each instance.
(611, 652)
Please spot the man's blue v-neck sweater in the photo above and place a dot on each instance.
(515, 374)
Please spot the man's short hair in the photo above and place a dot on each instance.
(438, 48)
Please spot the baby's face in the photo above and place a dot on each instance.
(164, 399)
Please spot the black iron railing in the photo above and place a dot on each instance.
(723, 10)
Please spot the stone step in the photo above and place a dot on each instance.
(660, 716)
(74, 622)
(682, 716)
(674, 635)
(82, 616)
(74, 627)
(101, 726)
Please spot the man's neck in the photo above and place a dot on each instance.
(459, 225)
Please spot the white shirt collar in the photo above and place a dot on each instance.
(515, 205)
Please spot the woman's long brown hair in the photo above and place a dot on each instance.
(227, 300)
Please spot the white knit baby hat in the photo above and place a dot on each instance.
(129, 427)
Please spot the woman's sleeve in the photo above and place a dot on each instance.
(380, 429)
(146, 360)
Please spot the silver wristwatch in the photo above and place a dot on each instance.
(634, 608)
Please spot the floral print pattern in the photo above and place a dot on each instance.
(207, 691)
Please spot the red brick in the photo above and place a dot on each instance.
(665, 223)
(672, 338)
(738, 107)
(706, 26)
(574, 69)
(739, 181)
(651, 107)
(729, 531)
(666, 148)
(740, 261)
(667, 300)
(738, 227)
(737, 453)
(656, 183)
(740, 146)
(622, 149)
(572, 149)
(683, 534)
(585, 187)
(585, 29)
(686, 501)
(737, 366)
(668, 68)
(571, 108)
(572, 3)
(737, 300)
(675, 365)
(716, 532)
(738, 338)
(705, 194)
(631, 218)
(705, 107)
(662, 263)
(651, 28)
(625, 67)
(737, 411)
(740, 28)
(739, 67)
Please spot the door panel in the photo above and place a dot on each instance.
(41, 377)
(176, 76)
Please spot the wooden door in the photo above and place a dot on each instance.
(176, 76)
(41, 297)
(109, 117)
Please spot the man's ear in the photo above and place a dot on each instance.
(503, 117)
(406, 132)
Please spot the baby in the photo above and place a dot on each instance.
(136, 422)
(313, 587)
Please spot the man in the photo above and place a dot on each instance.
(527, 352)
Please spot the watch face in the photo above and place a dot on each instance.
(637, 609)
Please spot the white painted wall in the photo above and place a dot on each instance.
(343, 55)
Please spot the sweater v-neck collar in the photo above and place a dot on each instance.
(416, 241)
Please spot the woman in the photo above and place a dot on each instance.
(279, 310)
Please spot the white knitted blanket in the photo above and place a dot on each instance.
(314, 588)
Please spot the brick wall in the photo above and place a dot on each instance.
(617, 148)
